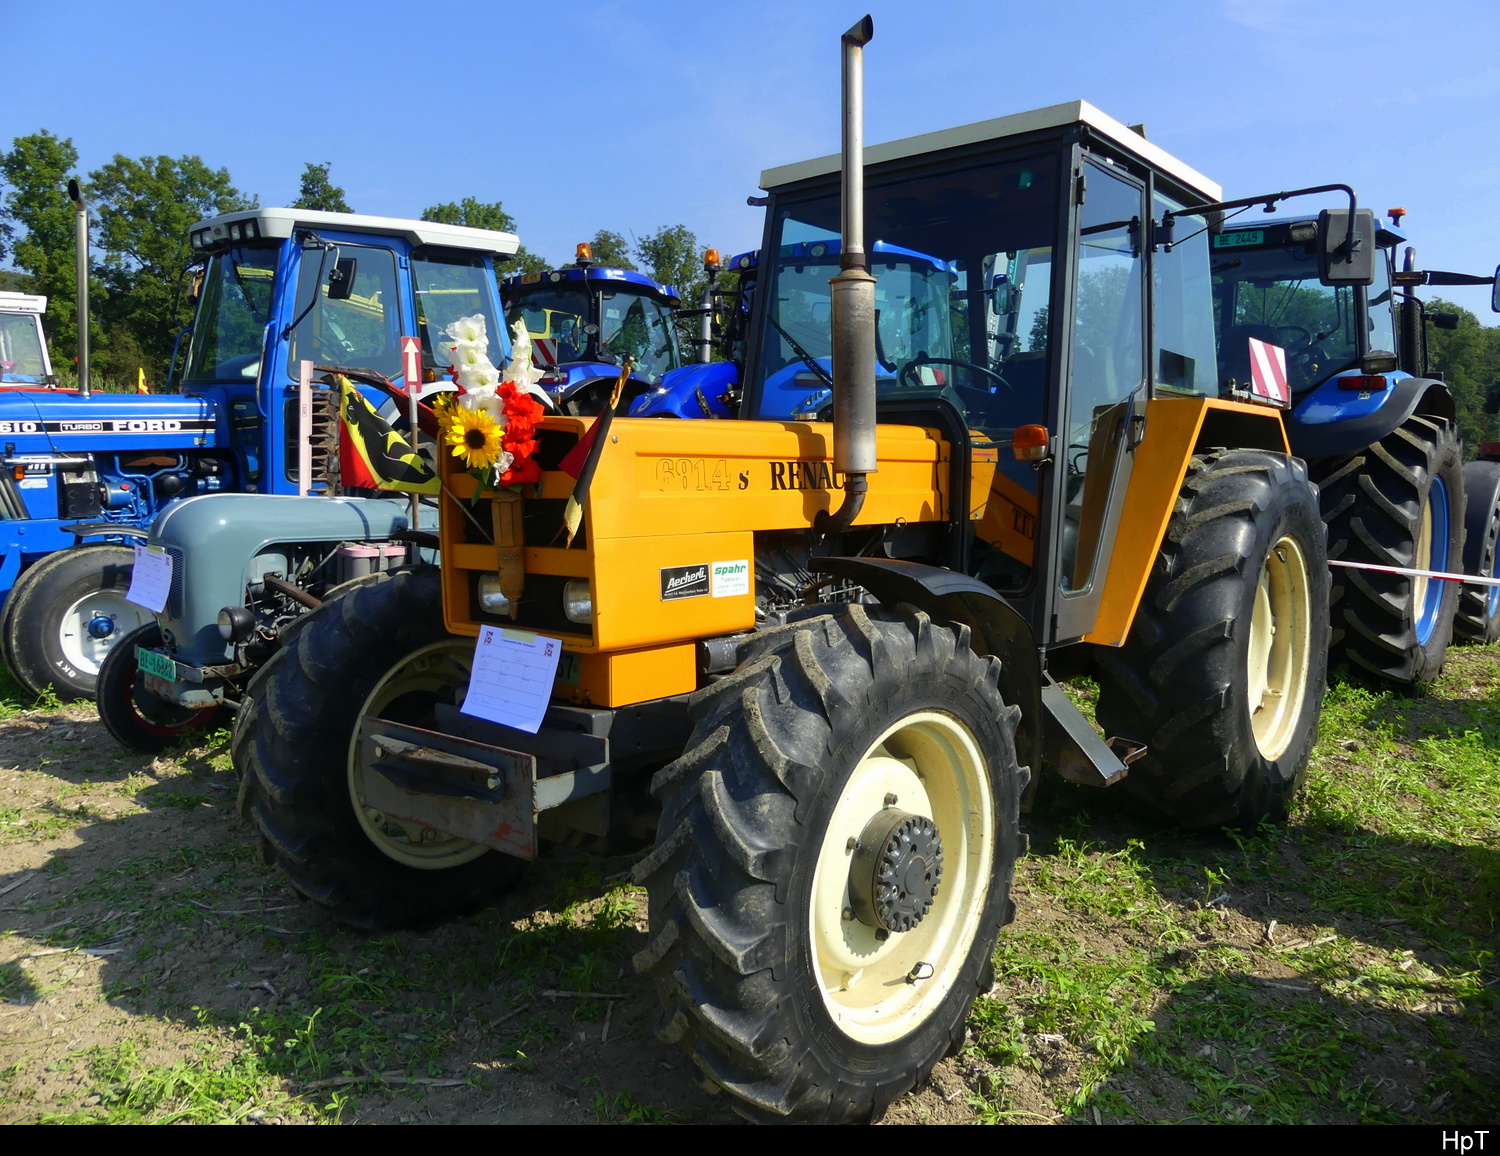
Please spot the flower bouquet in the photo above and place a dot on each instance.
(490, 422)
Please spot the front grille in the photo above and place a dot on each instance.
(174, 594)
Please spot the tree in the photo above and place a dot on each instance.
(1469, 359)
(472, 214)
(38, 220)
(611, 250)
(674, 257)
(475, 214)
(145, 209)
(318, 192)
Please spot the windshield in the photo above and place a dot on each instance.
(629, 324)
(963, 265)
(21, 358)
(234, 303)
(639, 327)
(449, 288)
(1274, 295)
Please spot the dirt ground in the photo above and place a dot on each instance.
(147, 959)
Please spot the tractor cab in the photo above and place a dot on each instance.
(281, 286)
(1014, 272)
(585, 320)
(23, 347)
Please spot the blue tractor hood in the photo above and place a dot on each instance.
(64, 422)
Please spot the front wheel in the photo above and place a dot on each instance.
(1399, 502)
(1222, 675)
(1478, 616)
(66, 614)
(833, 863)
(135, 717)
(380, 649)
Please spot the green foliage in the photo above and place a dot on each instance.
(38, 221)
(475, 214)
(318, 192)
(1469, 359)
(612, 250)
(145, 209)
(673, 257)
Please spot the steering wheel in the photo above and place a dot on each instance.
(1305, 336)
(911, 367)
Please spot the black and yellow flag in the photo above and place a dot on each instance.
(374, 456)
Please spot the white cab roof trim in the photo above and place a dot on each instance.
(22, 303)
(281, 222)
(1005, 126)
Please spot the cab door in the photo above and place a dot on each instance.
(1103, 389)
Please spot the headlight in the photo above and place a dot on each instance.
(236, 624)
(491, 600)
(578, 601)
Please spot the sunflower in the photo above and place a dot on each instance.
(475, 437)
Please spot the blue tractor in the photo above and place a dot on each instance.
(1378, 430)
(585, 319)
(85, 474)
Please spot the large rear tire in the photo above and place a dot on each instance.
(1400, 503)
(135, 717)
(65, 614)
(1478, 616)
(379, 649)
(1222, 676)
(833, 863)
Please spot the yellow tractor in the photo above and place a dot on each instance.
(823, 645)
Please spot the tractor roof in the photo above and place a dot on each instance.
(22, 303)
(596, 273)
(1053, 117)
(278, 223)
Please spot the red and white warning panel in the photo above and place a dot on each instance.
(1268, 372)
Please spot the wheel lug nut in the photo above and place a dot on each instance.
(890, 800)
(851, 844)
(848, 915)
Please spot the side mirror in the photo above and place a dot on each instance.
(1443, 320)
(1339, 263)
(1492, 400)
(1495, 292)
(341, 280)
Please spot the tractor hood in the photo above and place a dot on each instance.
(68, 422)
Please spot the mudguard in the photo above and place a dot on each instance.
(693, 391)
(1332, 421)
(995, 627)
(217, 541)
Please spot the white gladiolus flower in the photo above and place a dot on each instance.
(521, 373)
(487, 398)
(469, 329)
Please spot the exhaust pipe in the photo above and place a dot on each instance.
(81, 244)
(853, 305)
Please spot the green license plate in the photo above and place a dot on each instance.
(1243, 237)
(157, 664)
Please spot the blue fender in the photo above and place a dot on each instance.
(694, 391)
(1332, 421)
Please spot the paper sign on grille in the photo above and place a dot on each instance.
(512, 678)
(150, 579)
(1268, 372)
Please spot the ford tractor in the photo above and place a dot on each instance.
(85, 474)
(808, 645)
(1378, 431)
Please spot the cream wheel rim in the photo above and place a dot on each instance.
(1280, 648)
(434, 669)
(878, 990)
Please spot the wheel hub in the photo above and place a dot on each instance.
(101, 626)
(896, 870)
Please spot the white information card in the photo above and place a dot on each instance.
(512, 678)
(151, 579)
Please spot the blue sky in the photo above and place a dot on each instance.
(630, 116)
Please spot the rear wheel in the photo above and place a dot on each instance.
(301, 784)
(1397, 503)
(1223, 673)
(135, 717)
(1478, 615)
(833, 863)
(65, 614)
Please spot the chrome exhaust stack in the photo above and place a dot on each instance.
(81, 243)
(853, 305)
